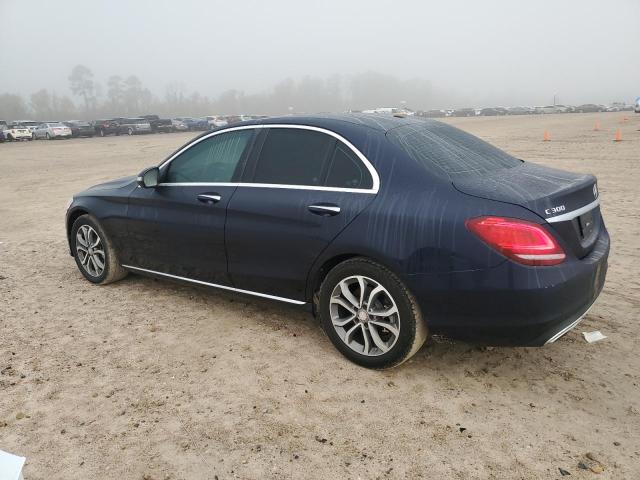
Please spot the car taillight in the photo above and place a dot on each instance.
(524, 242)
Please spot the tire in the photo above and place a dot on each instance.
(10, 138)
(48, 136)
(101, 133)
(130, 132)
(410, 327)
(112, 270)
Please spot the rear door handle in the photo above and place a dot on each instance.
(209, 198)
(324, 209)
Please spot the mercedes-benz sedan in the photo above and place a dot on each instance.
(387, 227)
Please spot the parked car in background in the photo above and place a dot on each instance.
(216, 121)
(432, 114)
(30, 124)
(159, 124)
(15, 132)
(51, 131)
(554, 109)
(106, 127)
(134, 126)
(520, 110)
(589, 108)
(231, 119)
(80, 128)
(179, 125)
(194, 124)
(493, 111)
(311, 214)
(464, 112)
(636, 108)
(619, 107)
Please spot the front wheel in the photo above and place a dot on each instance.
(94, 253)
(369, 314)
(130, 132)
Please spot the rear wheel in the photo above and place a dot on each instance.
(48, 136)
(370, 315)
(94, 253)
(130, 131)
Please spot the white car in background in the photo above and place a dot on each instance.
(179, 125)
(51, 131)
(30, 124)
(17, 132)
(216, 121)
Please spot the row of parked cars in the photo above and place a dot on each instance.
(520, 110)
(32, 130)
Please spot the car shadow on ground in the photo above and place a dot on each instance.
(439, 354)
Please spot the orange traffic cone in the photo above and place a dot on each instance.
(547, 137)
(596, 128)
(618, 136)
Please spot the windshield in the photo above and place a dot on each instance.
(55, 124)
(447, 151)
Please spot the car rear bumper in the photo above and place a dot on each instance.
(512, 304)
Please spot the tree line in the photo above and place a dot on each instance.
(127, 96)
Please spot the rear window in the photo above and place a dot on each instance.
(447, 151)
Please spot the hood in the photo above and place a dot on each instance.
(112, 184)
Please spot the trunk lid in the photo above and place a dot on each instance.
(567, 201)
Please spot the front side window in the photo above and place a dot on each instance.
(293, 157)
(212, 160)
(346, 170)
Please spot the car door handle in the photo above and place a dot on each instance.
(324, 209)
(209, 198)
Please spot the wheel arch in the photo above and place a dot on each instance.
(317, 275)
(71, 218)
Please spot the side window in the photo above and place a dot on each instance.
(212, 160)
(346, 170)
(292, 156)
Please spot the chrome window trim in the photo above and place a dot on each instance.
(574, 213)
(372, 171)
(215, 285)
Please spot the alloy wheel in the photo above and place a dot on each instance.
(90, 251)
(364, 315)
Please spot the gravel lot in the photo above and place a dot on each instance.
(146, 379)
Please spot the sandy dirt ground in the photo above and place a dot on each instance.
(145, 379)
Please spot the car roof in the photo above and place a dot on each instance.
(375, 121)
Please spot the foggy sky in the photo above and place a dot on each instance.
(486, 52)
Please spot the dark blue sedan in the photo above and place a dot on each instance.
(387, 227)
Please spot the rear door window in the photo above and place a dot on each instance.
(213, 160)
(293, 156)
(346, 170)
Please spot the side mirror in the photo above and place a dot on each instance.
(149, 178)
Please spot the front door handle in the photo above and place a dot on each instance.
(209, 198)
(324, 209)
